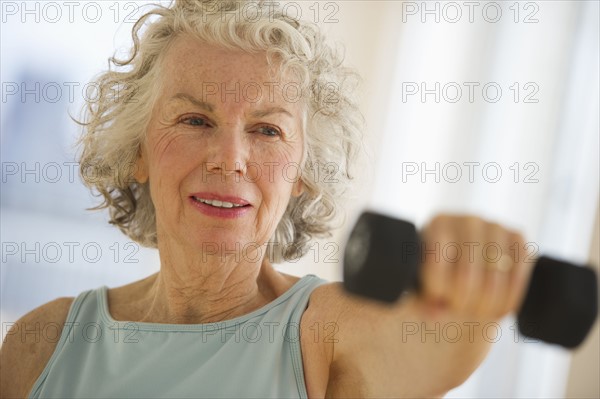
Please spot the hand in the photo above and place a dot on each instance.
(472, 269)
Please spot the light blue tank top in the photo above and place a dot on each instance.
(252, 356)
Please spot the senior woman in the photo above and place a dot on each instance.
(190, 145)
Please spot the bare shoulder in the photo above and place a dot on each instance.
(23, 356)
(324, 296)
(328, 306)
(333, 303)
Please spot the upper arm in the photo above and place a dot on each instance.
(370, 357)
(28, 346)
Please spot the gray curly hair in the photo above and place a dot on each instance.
(114, 123)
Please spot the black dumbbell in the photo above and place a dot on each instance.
(382, 260)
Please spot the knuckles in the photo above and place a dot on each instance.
(454, 226)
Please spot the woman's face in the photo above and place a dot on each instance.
(223, 148)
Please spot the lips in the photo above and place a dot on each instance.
(218, 203)
(223, 201)
(222, 206)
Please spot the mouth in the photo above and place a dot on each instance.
(220, 203)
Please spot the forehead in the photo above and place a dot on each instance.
(210, 72)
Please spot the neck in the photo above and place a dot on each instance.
(193, 288)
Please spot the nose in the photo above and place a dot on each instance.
(228, 151)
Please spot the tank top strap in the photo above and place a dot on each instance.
(84, 303)
(294, 320)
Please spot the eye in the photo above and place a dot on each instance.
(197, 121)
(269, 131)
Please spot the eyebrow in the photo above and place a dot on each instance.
(271, 110)
(186, 97)
(210, 108)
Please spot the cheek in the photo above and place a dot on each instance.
(170, 161)
(173, 152)
(289, 173)
(279, 171)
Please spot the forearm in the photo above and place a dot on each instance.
(451, 346)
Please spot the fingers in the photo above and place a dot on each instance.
(496, 265)
(474, 267)
(469, 274)
(519, 276)
(436, 272)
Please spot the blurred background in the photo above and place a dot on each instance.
(489, 108)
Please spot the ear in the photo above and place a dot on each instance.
(141, 168)
(298, 188)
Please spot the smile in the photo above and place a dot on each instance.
(217, 203)
(220, 206)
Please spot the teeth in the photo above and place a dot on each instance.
(217, 203)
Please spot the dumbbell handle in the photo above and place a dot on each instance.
(382, 260)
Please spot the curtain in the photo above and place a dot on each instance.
(498, 117)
